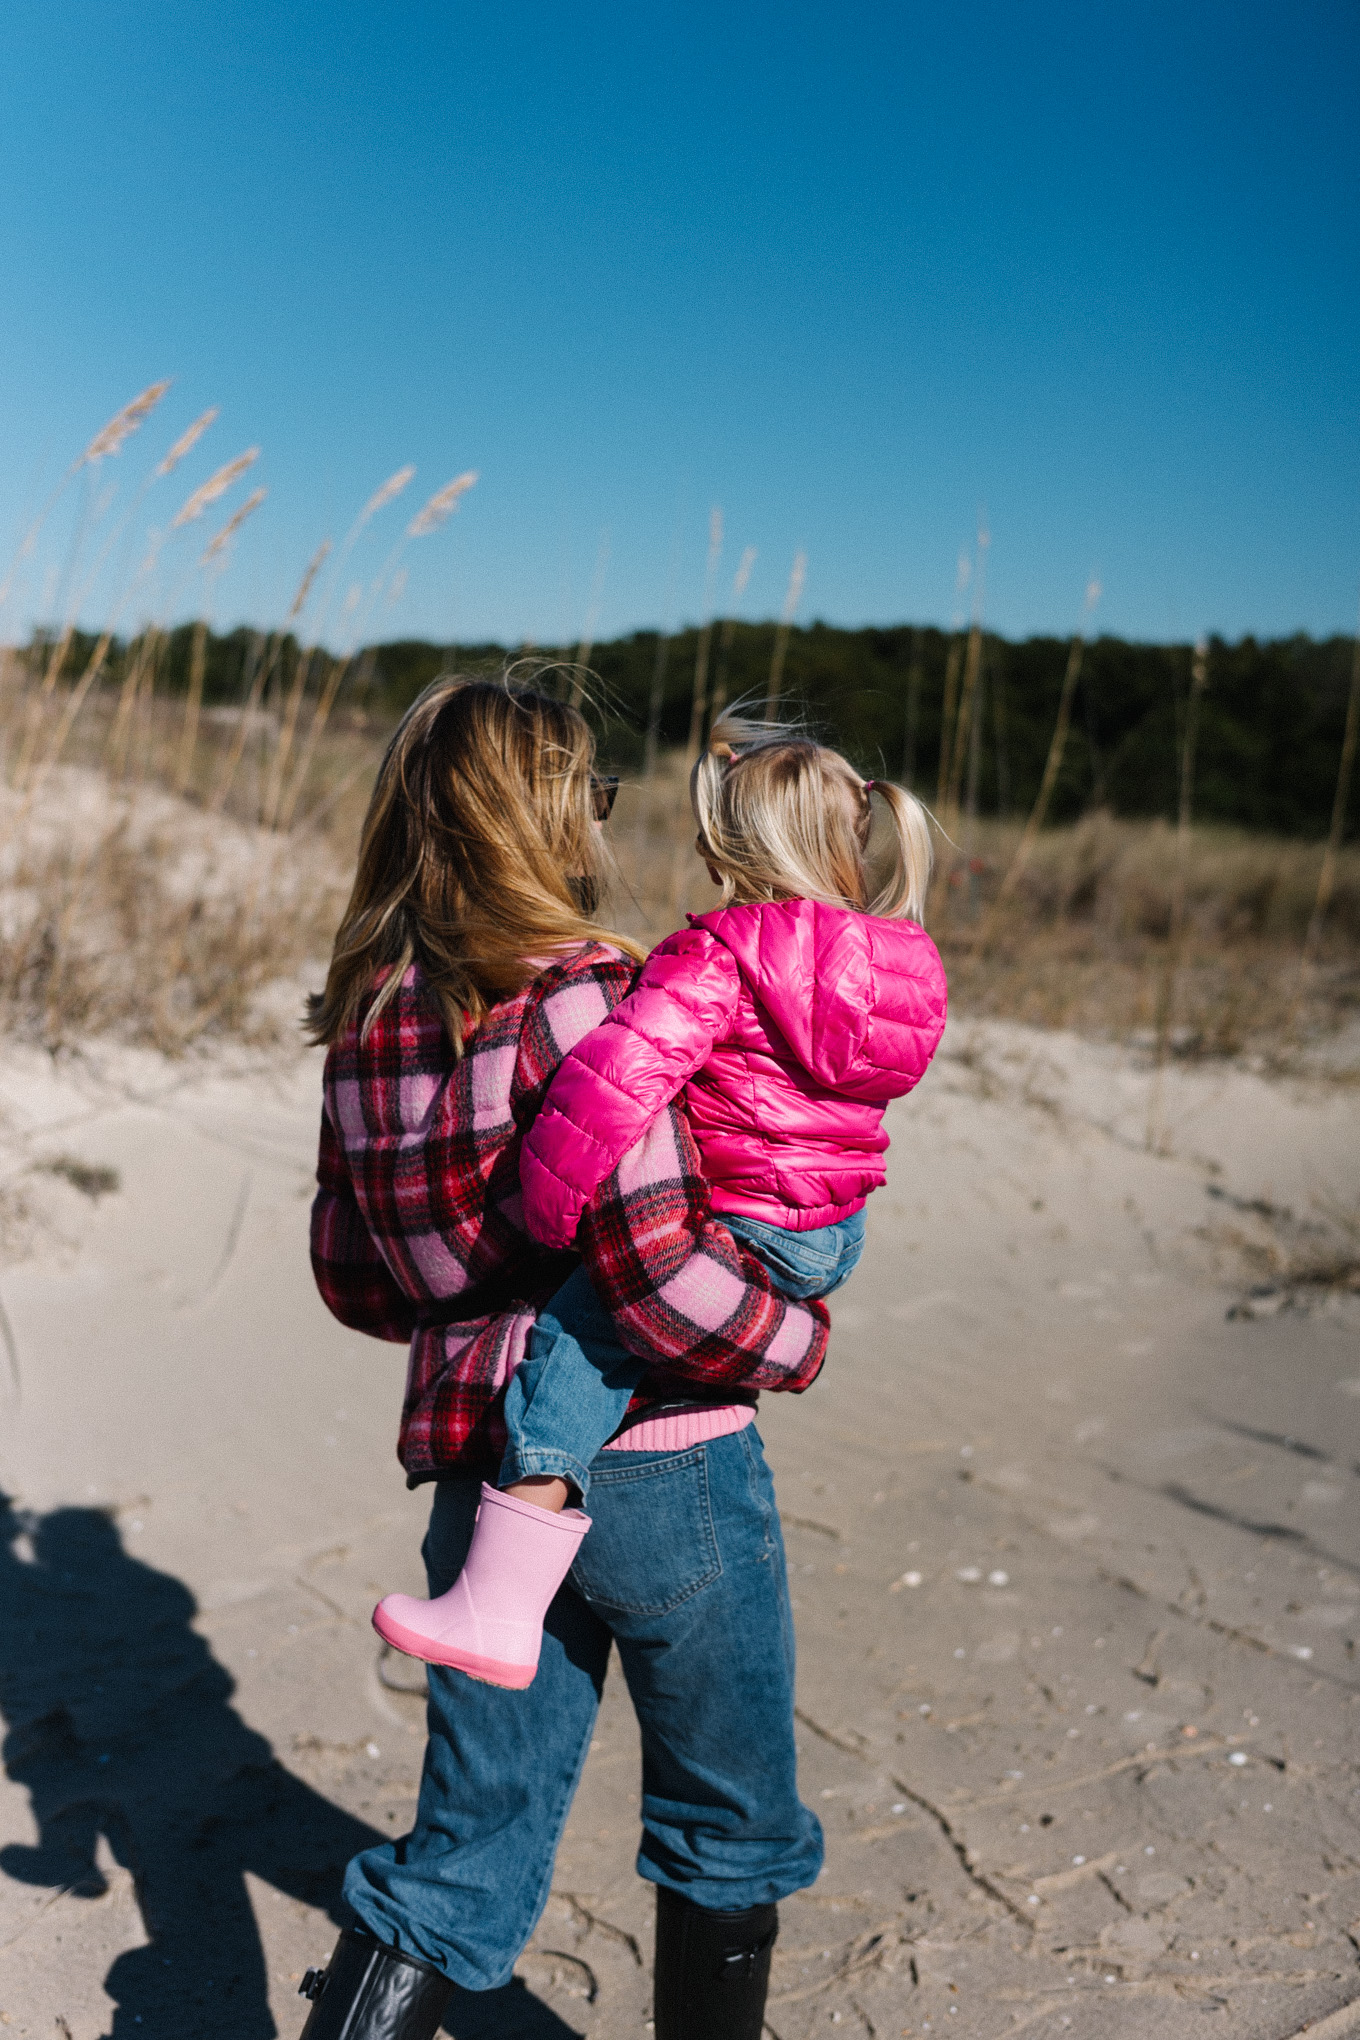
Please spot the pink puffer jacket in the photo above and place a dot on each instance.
(788, 1026)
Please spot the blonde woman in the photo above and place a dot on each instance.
(789, 1017)
(467, 967)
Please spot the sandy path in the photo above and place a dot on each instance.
(1076, 1560)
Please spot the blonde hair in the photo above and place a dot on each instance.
(478, 858)
(781, 817)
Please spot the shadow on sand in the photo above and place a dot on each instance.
(120, 1725)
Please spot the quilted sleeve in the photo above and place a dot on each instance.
(355, 1282)
(614, 1083)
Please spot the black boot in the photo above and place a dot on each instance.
(369, 1992)
(712, 1969)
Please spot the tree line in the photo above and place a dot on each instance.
(1270, 729)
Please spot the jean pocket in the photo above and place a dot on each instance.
(651, 1543)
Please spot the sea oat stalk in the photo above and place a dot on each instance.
(1327, 875)
(38, 700)
(1166, 1002)
(106, 441)
(261, 671)
(75, 702)
(441, 505)
(187, 441)
(951, 679)
(140, 662)
(586, 646)
(320, 717)
(215, 486)
(914, 676)
(699, 697)
(109, 439)
(1052, 767)
(193, 703)
(380, 498)
(962, 732)
(217, 546)
(729, 629)
(293, 706)
(792, 598)
(314, 566)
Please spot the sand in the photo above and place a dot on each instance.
(1071, 1523)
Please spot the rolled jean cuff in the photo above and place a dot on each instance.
(538, 1462)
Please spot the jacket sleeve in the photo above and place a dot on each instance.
(615, 1082)
(355, 1282)
(681, 1292)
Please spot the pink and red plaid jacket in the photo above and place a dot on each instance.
(419, 1208)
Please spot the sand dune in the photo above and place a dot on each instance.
(1071, 1518)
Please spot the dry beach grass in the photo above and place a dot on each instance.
(164, 857)
(157, 901)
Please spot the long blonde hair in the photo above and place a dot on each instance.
(478, 858)
(781, 817)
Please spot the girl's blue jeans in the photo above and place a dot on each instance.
(570, 1392)
(682, 1570)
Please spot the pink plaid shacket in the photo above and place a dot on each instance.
(419, 1209)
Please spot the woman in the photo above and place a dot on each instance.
(466, 967)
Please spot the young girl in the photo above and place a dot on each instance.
(790, 1017)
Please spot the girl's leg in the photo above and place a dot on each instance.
(464, 1890)
(568, 1395)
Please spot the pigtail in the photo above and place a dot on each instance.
(782, 817)
(705, 791)
(735, 735)
(904, 895)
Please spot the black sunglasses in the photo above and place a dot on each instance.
(604, 791)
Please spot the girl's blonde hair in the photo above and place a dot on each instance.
(478, 858)
(781, 817)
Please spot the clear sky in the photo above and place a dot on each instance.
(854, 273)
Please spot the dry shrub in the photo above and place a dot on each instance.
(136, 916)
(1083, 940)
(125, 910)
(1120, 874)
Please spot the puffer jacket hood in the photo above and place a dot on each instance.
(789, 1026)
(842, 989)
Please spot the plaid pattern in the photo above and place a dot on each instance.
(419, 1203)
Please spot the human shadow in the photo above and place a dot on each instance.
(120, 1724)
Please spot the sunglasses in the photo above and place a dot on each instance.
(603, 793)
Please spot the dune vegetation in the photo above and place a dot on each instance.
(1142, 842)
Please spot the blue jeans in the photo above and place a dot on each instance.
(682, 1569)
(570, 1392)
(803, 1264)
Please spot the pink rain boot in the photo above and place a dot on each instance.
(490, 1622)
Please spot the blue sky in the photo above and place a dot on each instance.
(856, 274)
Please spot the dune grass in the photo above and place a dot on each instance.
(144, 892)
